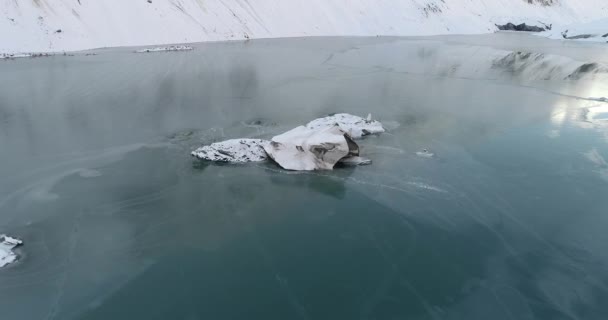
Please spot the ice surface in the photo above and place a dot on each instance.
(235, 150)
(304, 148)
(7, 256)
(355, 126)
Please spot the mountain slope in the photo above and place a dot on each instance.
(57, 25)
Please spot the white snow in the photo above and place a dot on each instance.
(356, 127)
(161, 49)
(7, 256)
(235, 150)
(58, 25)
(307, 149)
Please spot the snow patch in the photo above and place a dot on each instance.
(356, 127)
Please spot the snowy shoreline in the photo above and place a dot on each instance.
(58, 26)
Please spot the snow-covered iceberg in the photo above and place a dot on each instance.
(303, 148)
(235, 150)
(318, 145)
(356, 127)
(7, 244)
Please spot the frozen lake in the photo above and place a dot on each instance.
(507, 221)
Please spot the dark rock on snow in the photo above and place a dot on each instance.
(522, 27)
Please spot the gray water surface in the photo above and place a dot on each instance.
(507, 221)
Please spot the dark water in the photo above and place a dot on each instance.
(508, 221)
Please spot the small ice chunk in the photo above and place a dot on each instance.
(355, 161)
(425, 153)
(235, 150)
(304, 148)
(7, 243)
(355, 126)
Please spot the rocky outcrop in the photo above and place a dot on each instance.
(522, 27)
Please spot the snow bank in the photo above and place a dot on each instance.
(58, 25)
(7, 256)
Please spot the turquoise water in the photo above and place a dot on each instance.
(507, 221)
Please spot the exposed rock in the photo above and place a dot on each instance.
(7, 243)
(308, 149)
(235, 150)
(521, 27)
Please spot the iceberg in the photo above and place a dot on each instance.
(308, 149)
(318, 145)
(7, 256)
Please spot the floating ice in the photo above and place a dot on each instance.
(162, 49)
(23, 55)
(355, 161)
(235, 150)
(425, 153)
(308, 149)
(7, 243)
(318, 145)
(356, 127)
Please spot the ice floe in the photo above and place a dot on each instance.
(164, 49)
(7, 244)
(355, 161)
(23, 55)
(425, 153)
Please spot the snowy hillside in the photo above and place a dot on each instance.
(57, 25)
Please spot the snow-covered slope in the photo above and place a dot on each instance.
(57, 25)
